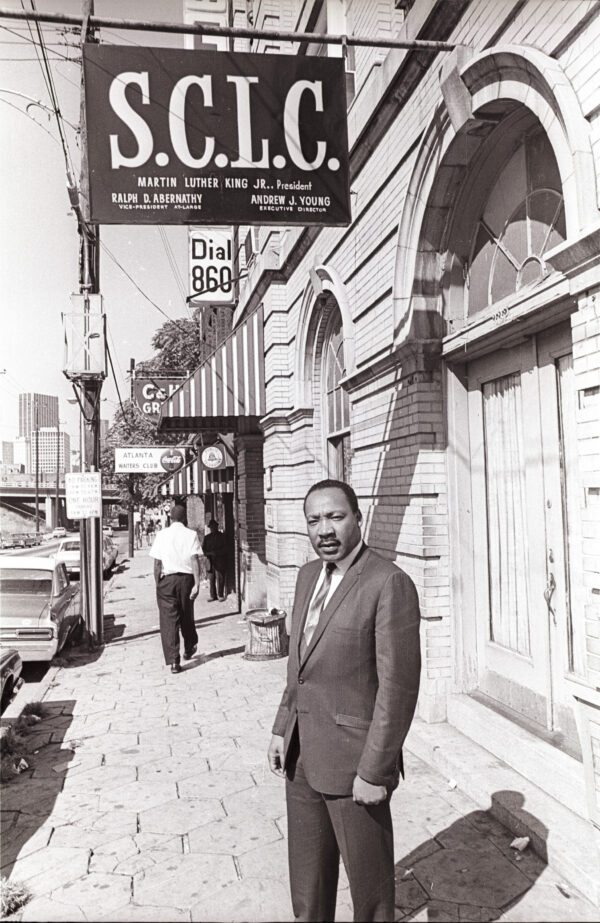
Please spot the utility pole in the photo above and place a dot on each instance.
(90, 529)
(131, 483)
(57, 498)
(37, 464)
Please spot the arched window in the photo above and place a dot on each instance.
(523, 218)
(337, 409)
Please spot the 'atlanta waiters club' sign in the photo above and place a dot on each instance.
(203, 137)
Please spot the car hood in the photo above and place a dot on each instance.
(20, 609)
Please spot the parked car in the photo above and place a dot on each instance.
(59, 532)
(11, 665)
(40, 607)
(109, 553)
(69, 553)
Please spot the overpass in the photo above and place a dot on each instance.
(17, 502)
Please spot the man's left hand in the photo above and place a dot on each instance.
(365, 793)
(194, 592)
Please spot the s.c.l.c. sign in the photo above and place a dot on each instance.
(205, 137)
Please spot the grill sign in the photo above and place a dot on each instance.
(184, 137)
(149, 393)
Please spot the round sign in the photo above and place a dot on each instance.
(212, 457)
(172, 460)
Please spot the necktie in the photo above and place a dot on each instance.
(315, 609)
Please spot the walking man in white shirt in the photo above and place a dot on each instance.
(176, 552)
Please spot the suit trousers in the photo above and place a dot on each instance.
(320, 828)
(176, 613)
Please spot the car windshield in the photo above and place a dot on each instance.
(69, 546)
(32, 582)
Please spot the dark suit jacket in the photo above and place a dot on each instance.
(353, 697)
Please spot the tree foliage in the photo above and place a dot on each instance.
(178, 346)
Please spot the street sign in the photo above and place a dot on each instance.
(84, 494)
(211, 265)
(156, 459)
(214, 137)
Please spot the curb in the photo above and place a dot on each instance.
(34, 693)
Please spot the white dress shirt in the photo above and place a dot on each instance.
(337, 575)
(174, 547)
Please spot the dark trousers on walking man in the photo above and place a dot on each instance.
(216, 578)
(176, 614)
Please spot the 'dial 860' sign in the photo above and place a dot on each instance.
(215, 137)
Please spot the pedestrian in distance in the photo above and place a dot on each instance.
(214, 547)
(138, 535)
(351, 692)
(176, 552)
(149, 531)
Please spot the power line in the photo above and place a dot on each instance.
(134, 283)
(54, 100)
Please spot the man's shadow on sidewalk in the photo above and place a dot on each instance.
(28, 799)
(468, 870)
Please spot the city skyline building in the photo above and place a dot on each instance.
(37, 410)
(8, 452)
(48, 450)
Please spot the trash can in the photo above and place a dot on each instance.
(267, 635)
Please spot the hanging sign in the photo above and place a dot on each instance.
(213, 457)
(156, 459)
(149, 391)
(214, 137)
(211, 265)
(83, 492)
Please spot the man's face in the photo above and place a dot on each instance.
(333, 529)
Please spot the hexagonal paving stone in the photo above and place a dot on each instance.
(23, 840)
(138, 796)
(43, 908)
(95, 831)
(186, 879)
(246, 900)
(270, 861)
(133, 913)
(409, 894)
(181, 816)
(439, 912)
(50, 868)
(469, 876)
(270, 801)
(175, 768)
(234, 835)
(96, 780)
(95, 891)
(215, 785)
(135, 755)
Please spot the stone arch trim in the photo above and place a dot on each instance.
(516, 74)
(324, 281)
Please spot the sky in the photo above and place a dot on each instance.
(38, 231)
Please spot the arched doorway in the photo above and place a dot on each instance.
(512, 422)
(489, 197)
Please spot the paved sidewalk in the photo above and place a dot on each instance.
(150, 797)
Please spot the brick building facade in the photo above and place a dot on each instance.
(442, 352)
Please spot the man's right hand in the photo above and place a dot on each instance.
(275, 755)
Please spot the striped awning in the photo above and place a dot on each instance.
(194, 478)
(227, 392)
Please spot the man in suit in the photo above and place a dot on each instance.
(351, 692)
